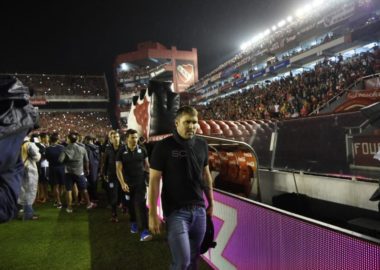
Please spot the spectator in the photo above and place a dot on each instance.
(75, 158)
(56, 169)
(30, 155)
(93, 153)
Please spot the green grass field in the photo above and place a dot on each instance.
(82, 240)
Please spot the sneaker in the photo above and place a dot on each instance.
(34, 217)
(114, 219)
(134, 228)
(145, 236)
(91, 206)
(69, 210)
(59, 205)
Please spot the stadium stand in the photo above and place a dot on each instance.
(294, 96)
(96, 123)
(65, 86)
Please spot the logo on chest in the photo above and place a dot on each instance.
(179, 153)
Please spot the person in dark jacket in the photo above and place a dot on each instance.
(56, 169)
(93, 153)
(109, 173)
(17, 119)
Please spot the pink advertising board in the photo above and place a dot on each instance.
(253, 236)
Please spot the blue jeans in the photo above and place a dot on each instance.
(28, 211)
(186, 228)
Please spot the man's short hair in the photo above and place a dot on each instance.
(54, 137)
(73, 137)
(130, 132)
(111, 132)
(186, 110)
(89, 138)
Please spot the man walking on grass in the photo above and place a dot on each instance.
(182, 162)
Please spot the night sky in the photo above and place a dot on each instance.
(83, 37)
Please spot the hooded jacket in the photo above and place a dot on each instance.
(17, 118)
(74, 157)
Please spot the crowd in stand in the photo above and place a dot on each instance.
(96, 123)
(49, 86)
(292, 31)
(294, 96)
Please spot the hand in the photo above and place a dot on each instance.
(125, 187)
(210, 210)
(154, 224)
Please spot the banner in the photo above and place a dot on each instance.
(240, 81)
(281, 65)
(184, 74)
(340, 14)
(369, 94)
(139, 115)
(258, 74)
(364, 148)
(373, 83)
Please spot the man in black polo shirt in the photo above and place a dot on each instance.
(131, 166)
(182, 162)
(109, 172)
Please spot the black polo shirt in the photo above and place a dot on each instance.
(133, 163)
(178, 190)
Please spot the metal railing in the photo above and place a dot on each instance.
(215, 142)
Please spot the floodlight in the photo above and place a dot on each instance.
(274, 28)
(124, 67)
(281, 23)
(308, 8)
(289, 19)
(317, 3)
(244, 46)
(299, 12)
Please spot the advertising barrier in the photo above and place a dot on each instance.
(253, 236)
(364, 148)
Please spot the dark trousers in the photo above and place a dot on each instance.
(137, 204)
(93, 182)
(115, 195)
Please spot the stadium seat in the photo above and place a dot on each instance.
(238, 134)
(215, 128)
(227, 132)
(204, 127)
(214, 161)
